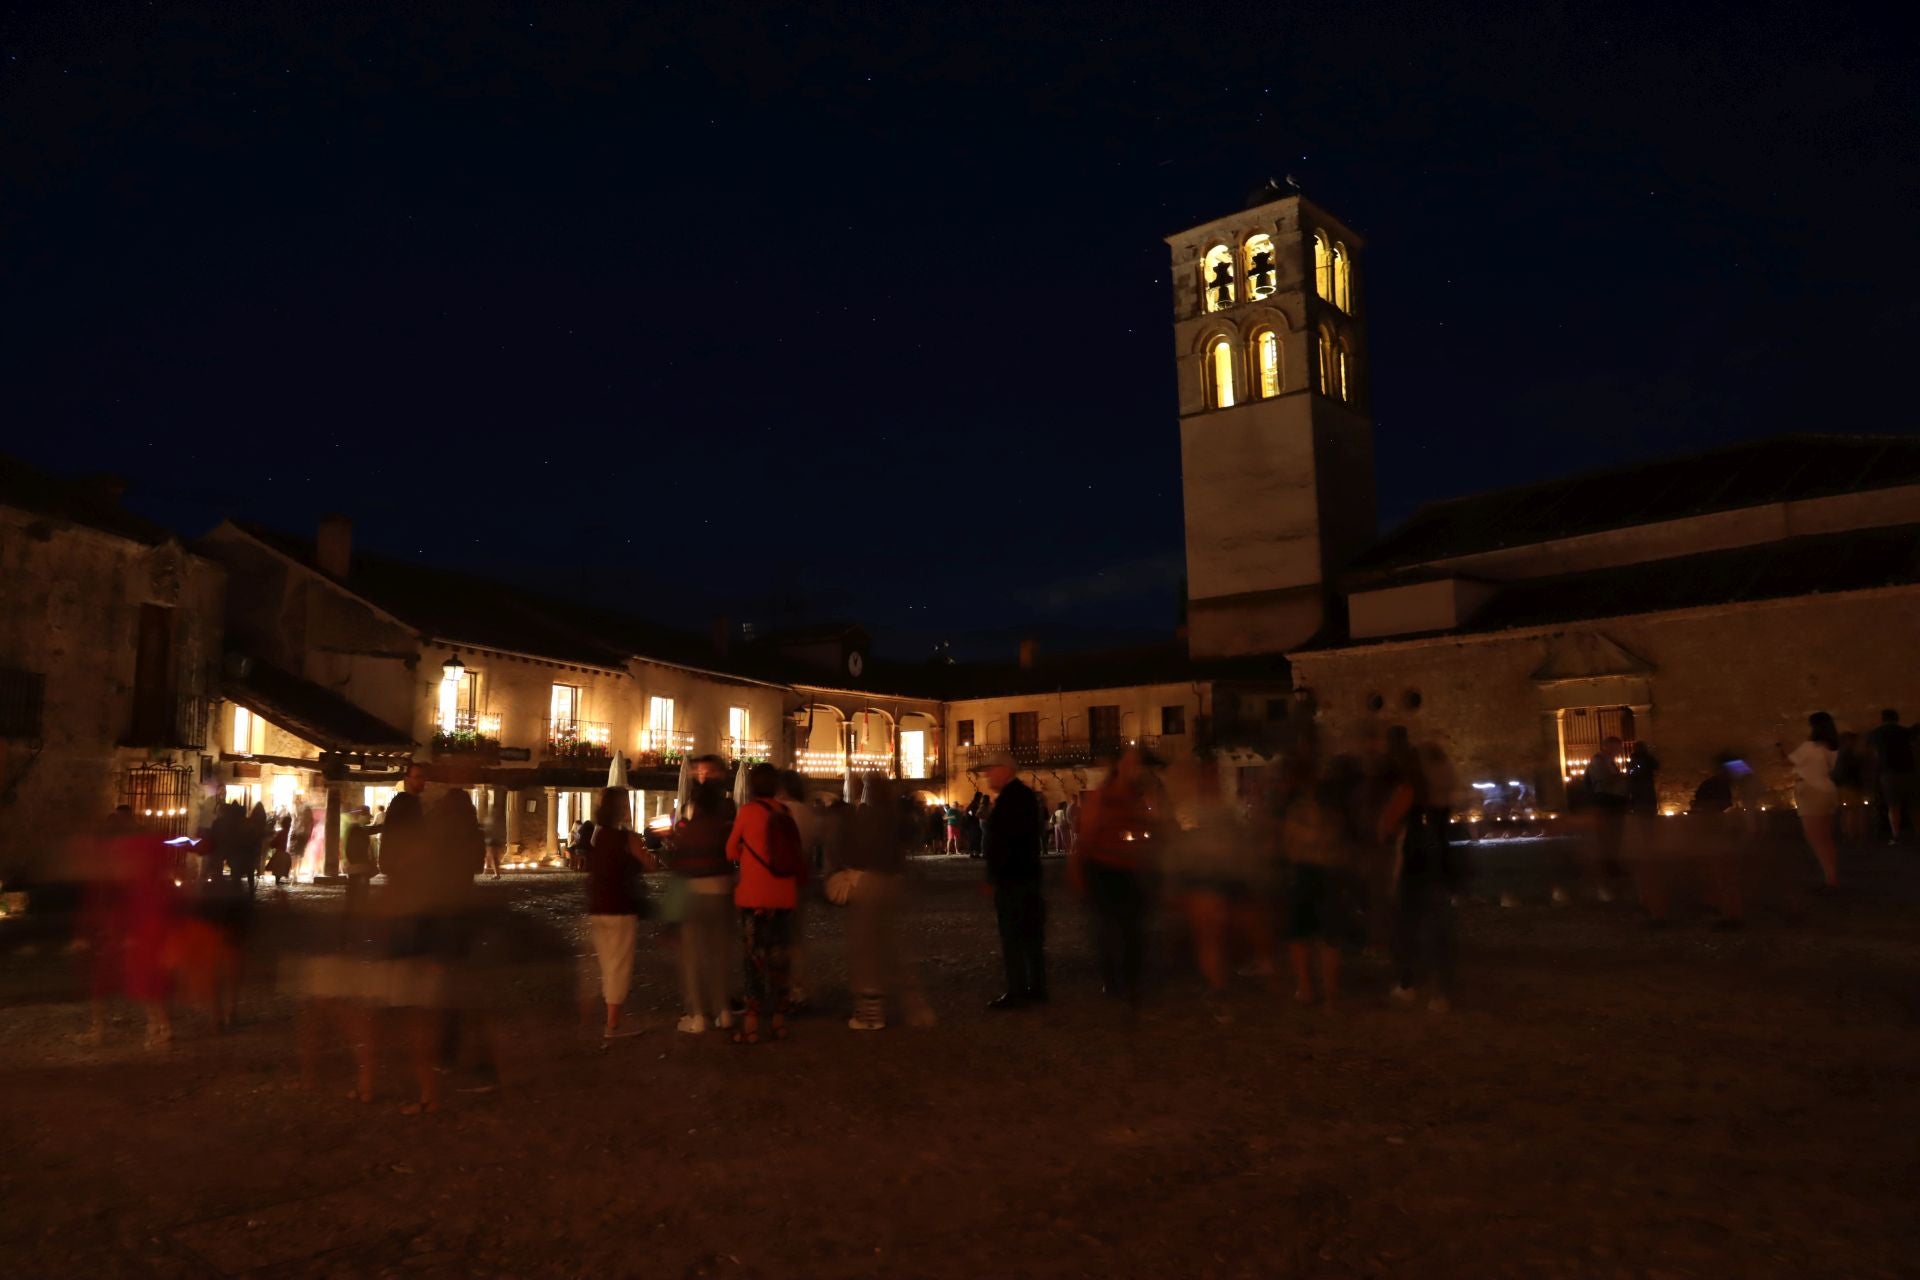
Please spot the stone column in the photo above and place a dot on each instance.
(514, 802)
(330, 863)
(552, 844)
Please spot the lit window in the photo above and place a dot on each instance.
(1260, 273)
(1216, 277)
(1266, 348)
(737, 724)
(1222, 353)
(913, 753)
(1326, 362)
(1342, 278)
(1322, 267)
(242, 731)
(564, 707)
(659, 735)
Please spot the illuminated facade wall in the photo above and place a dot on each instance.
(1736, 678)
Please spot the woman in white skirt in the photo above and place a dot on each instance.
(614, 860)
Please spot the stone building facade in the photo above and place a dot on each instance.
(110, 642)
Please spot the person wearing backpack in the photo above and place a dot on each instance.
(765, 845)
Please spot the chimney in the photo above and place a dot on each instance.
(1029, 652)
(333, 549)
(722, 632)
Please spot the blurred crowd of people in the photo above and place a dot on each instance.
(1279, 872)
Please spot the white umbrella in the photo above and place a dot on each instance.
(686, 788)
(617, 777)
(740, 768)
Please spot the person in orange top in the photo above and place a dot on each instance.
(763, 841)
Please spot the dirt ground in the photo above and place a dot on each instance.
(1607, 1100)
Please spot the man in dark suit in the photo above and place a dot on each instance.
(1011, 844)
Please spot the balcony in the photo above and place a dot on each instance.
(663, 747)
(747, 750)
(820, 764)
(173, 720)
(579, 740)
(1071, 754)
(473, 734)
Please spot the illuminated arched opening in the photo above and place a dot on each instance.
(1325, 362)
(1342, 278)
(1322, 267)
(1343, 363)
(1216, 278)
(1220, 357)
(1260, 269)
(1266, 363)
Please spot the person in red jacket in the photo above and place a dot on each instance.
(765, 897)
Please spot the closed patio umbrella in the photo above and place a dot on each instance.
(739, 784)
(617, 777)
(686, 788)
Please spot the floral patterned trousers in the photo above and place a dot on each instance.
(768, 935)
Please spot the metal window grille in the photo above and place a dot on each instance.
(160, 795)
(23, 696)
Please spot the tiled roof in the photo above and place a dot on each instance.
(84, 501)
(317, 714)
(1783, 469)
(1854, 560)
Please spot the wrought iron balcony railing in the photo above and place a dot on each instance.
(747, 750)
(473, 733)
(579, 740)
(820, 764)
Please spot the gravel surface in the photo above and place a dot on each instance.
(1607, 1100)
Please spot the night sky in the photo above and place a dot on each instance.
(789, 312)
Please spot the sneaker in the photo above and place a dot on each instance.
(725, 1020)
(1509, 900)
(1605, 895)
(1404, 995)
(1560, 898)
(619, 1033)
(858, 1023)
(693, 1024)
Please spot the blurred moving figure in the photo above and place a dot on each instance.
(614, 862)
(1893, 756)
(1814, 792)
(1114, 855)
(128, 917)
(1010, 843)
(1316, 839)
(358, 855)
(1427, 874)
(877, 963)
(1215, 869)
(1608, 791)
(698, 860)
(1721, 836)
(279, 856)
(820, 835)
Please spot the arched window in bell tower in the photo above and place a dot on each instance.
(1322, 267)
(1343, 362)
(1260, 272)
(1266, 363)
(1327, 362)
(1220, 364)
(1342, 296)
(1216, 278)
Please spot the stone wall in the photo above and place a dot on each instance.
(70, 612)
(1738, 678)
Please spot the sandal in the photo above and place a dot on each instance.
(419, 1108)
(749, 1030)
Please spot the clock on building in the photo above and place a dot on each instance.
(856, 663)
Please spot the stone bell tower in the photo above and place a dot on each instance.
(1276, 441)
